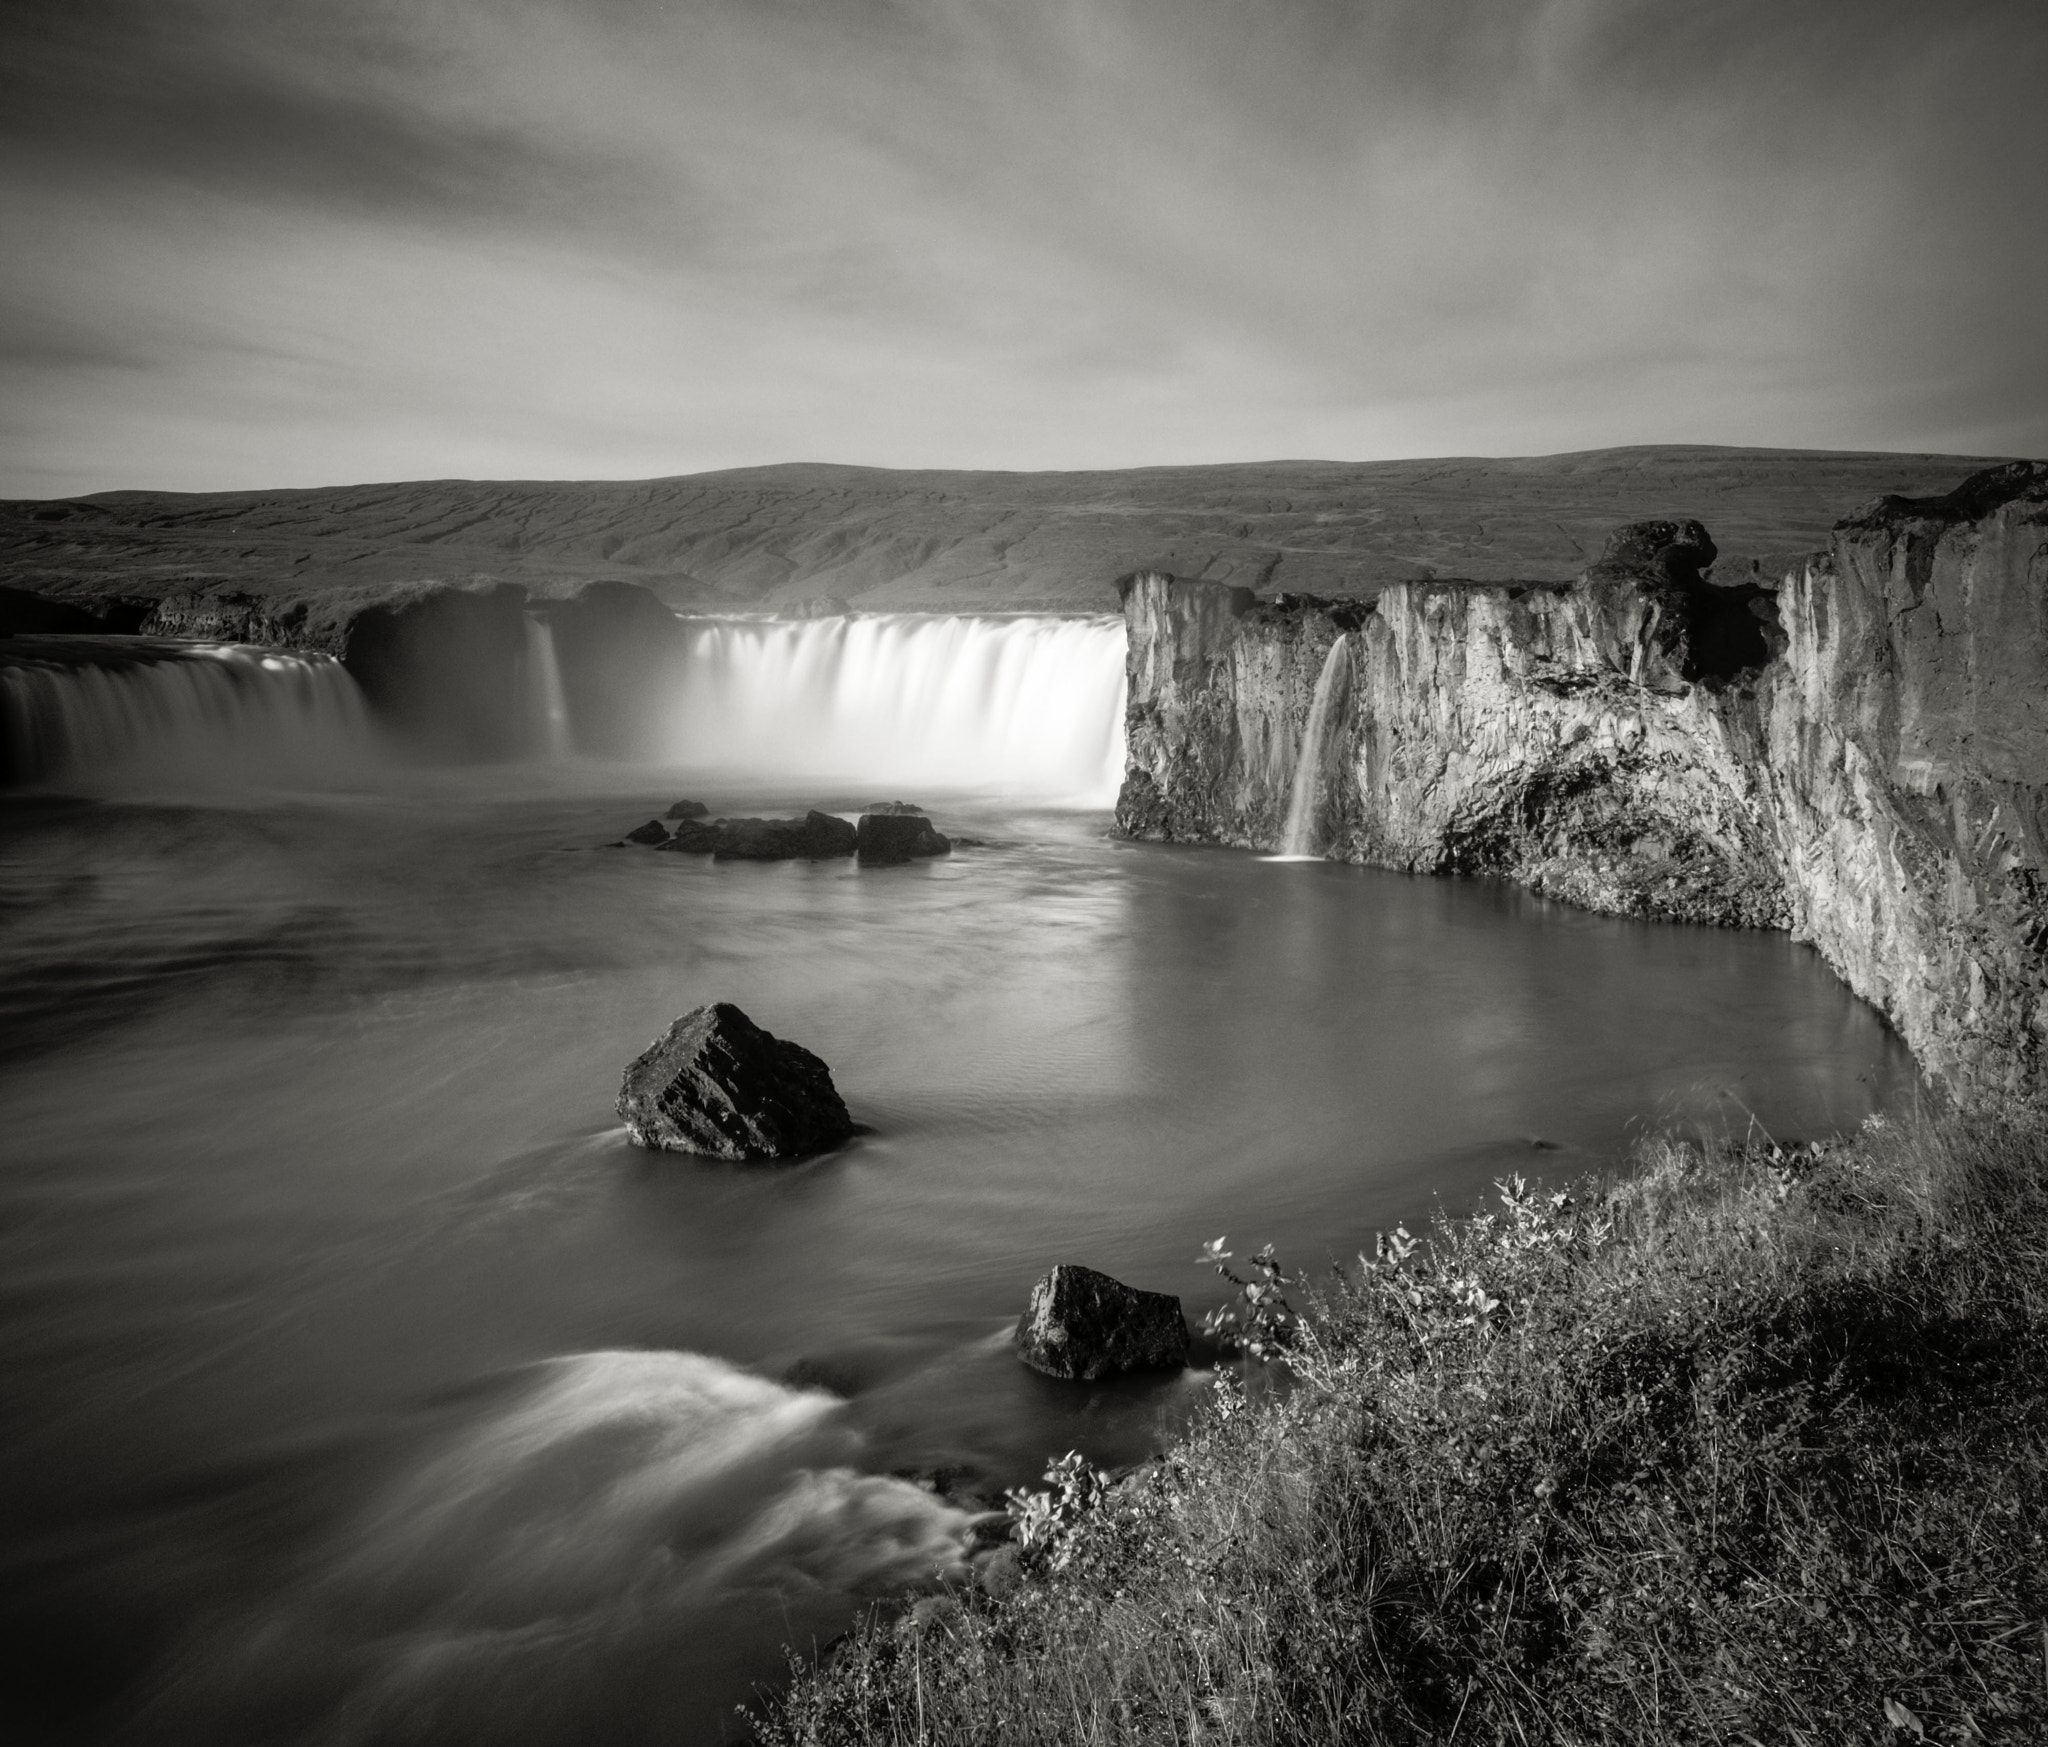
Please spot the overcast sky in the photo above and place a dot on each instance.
(257, 244)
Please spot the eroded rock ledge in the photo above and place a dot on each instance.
(1860, 755)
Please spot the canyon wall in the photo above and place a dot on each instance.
(1860, 756)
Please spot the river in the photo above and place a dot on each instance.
(363, 1385)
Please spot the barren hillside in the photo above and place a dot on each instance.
(777, 537)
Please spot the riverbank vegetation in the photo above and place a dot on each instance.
(1745, 1447)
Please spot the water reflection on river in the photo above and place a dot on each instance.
(361, 1384)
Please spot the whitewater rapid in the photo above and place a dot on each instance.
(590, 1558)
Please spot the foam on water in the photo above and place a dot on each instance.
(619, 1458)
(1006, 705)
(627, 1507)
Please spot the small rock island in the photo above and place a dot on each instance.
(717, 1085)
(1084, 1325)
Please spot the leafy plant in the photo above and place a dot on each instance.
(1748, 1446)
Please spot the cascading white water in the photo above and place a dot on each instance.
(1333, 689)
(107, 710)
(631, 1510)
(547, 704)
(1013, 705)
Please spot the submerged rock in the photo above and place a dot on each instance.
(654, 831)
(688, 810)
(885, 839)
(717, 1085)
(1082, 1324)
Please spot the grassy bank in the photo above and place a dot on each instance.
(1743, 1448)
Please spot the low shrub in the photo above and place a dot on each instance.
(1745, 1447)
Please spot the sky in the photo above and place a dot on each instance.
(251, 244)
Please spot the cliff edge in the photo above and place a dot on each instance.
(1860, 755)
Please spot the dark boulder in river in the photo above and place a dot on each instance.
(815, 837)
(692, 837)
(884, 839)
(716, 1084)
(654, 831)
(1082, 1325)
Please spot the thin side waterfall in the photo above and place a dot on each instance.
(547, 703)
(1304, 815)
(1022, 705)
(99, 712)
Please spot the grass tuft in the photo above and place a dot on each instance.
(1745, 1448)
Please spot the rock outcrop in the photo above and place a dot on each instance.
(621, 653)
(894, 833)
(716, 1084)
(882, 838)
(1861, 757)
(22, 611)
(1083, 1325)
(815, 837)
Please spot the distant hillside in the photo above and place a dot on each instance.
(778, 537)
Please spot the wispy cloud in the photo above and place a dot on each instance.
(252, 244)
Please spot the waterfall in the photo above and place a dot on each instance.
(547, 704)
(98, 711)
(1333, 689)
(1020, 705)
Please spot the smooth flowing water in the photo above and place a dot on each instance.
(547, 706)
(150, 711)
(363, 1385)
(1021, 705)
(1300, 835)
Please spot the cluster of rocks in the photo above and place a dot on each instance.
(717, 1085)
(887, 834)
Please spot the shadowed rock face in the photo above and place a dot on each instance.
(21, 611)
(620, 650)
(1660, 619)
(443, 670)
(1082, 1325)
(1861, 758)
(716, 1084)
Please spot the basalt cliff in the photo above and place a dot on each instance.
(1859, 755)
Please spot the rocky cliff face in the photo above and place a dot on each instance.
(1861, 757)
